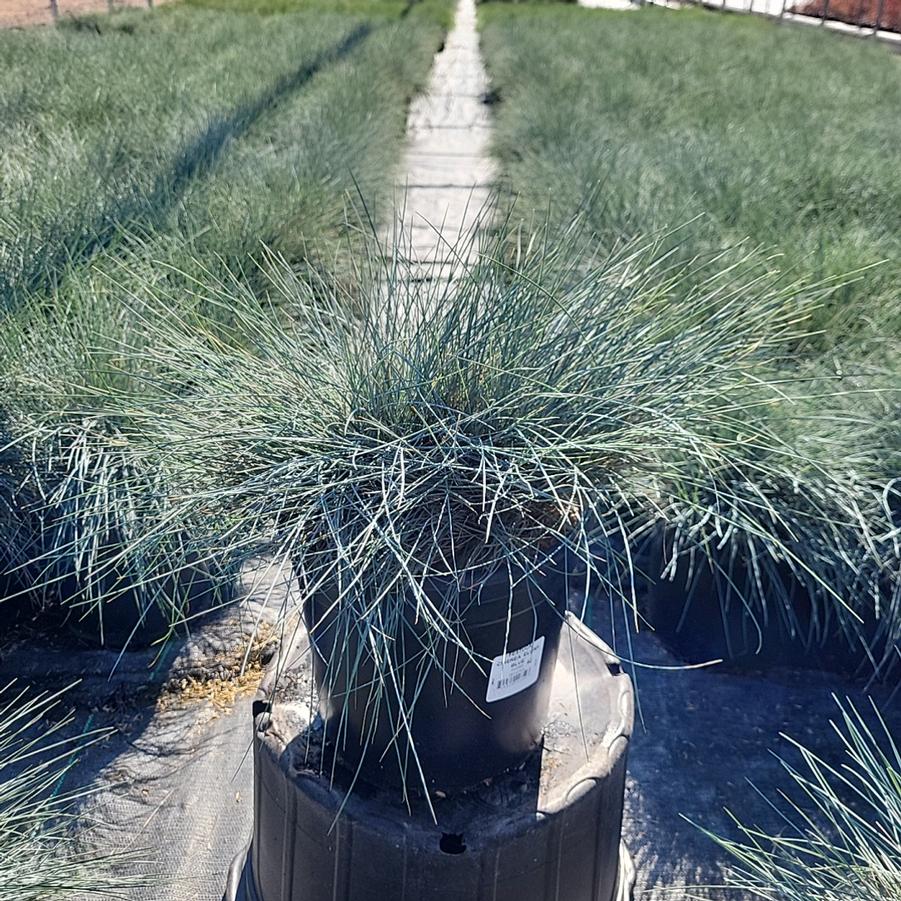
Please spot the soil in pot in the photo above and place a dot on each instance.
(445, 718)
(702, 615)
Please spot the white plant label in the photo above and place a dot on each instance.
(514, 671)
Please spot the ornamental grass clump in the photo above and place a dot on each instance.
(86, 486)
(411, 433)
(840, 838)
(790, 556)
(95, 495)
(800, 570)
(40, 855)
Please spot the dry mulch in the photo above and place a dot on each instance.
(229, 675)
(856, 12)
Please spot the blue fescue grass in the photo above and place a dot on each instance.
(40, 858)
(395, 430)
(840, 838)
(649, 119)
(119, 170)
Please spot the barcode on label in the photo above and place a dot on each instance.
(514, 671)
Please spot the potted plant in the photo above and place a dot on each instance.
(13, 539)
(787, 556)
(90, 498)
(429, 454)
(763, 578)
(102, 564)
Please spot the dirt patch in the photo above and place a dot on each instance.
(23, 13)
(220, 692)
(227, 677)
(856, 12)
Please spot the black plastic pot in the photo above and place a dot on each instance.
(702, 615)
(128, 618)
(15, 602)
(116, 612)
(10, 603)
(546, 831)
(462, 721)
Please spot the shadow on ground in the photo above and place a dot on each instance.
(701, 738)
(136, 209)
(174, 774)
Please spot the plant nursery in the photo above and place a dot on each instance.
(449, 451)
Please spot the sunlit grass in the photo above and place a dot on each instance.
(254, 130)
(75, 490)
(738, 130)
(401, 430)
(647, 119)
(118, 171)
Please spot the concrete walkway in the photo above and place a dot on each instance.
(444, 184)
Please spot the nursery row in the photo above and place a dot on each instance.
(121, 172)
(685, 395)
(212, 129)
(741, 143)
(157, 214)
(774, 145)
(777, 137)
(149, 151)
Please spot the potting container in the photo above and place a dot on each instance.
(472, 709)
(10, 602)
(125, 619)
(118, 614)
(15, 603)
(710, 611)
(546, 831)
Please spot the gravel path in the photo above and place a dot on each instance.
(607, 4)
